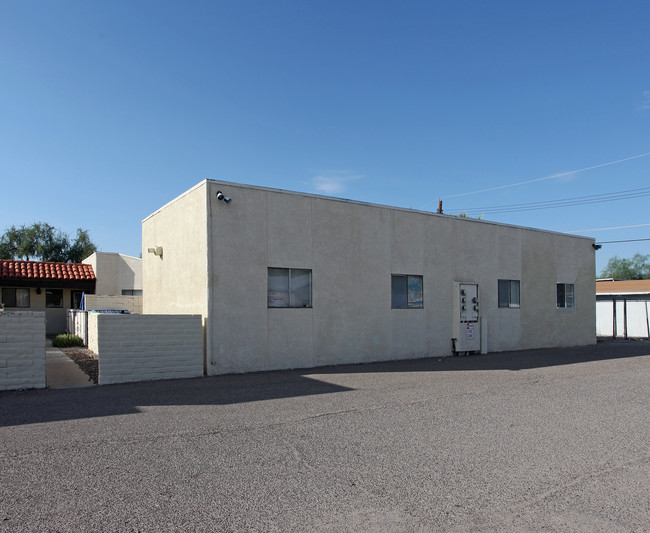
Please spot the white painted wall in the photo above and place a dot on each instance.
(352, 249)
(637, 314)
(177, 282)
(637, 319)
(22, 350)
(78, 324)
(115, 272)
(604, 319)
(146, 347)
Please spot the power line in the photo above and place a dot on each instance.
(604, 229)
(629, 240)
(564, 202)
(640, 190)
(547, 177)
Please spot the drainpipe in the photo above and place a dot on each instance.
(207, 344)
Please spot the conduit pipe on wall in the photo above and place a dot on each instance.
(484, 335)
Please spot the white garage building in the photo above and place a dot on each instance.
(622, 308)
(290, 280)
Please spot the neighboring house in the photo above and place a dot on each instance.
(45, 286)
(119, 282)
(622, 308)
(289, 280)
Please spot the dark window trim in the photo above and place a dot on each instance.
(48, 306)
(563, 304)
(15, 298)
(131, 292)
(72, 295)
(408, 304)
(510, 305)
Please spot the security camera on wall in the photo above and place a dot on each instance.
(223, 197)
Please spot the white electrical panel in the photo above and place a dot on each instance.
(467, 325)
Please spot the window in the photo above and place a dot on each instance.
(566, 295)
(75, 299)
(15, 297)
(508, 293)
(406, 292)
(54, 298)
(289, 287)
(131, 292)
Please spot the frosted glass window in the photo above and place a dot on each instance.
(289, 287)
(300, 287)
(22, 297)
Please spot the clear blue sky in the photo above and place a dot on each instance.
(110, 109)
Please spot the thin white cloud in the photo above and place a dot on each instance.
(569, 176)
(646, 101)
(332, 182)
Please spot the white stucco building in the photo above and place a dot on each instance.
(117, 274)
(119, 282)
(289, 280)
(623, 308)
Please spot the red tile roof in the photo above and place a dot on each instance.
(41, 270)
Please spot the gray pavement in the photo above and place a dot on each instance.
(61, 372)
(552, 440)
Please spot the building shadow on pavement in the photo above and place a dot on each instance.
(39, 406)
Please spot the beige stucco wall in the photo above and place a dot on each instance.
(177, 282)
(352, 250)
(115, 272)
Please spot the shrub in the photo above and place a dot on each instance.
(65, 340)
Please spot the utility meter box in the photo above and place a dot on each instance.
(466, 321)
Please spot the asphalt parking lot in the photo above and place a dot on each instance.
(553, 440)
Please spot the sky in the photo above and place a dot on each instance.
(110, 109)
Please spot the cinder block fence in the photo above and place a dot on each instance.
(22, 350)
(146, 347)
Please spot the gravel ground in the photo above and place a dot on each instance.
(86, 360)
(545, 440)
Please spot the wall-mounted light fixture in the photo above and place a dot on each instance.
(221, 196)
(596, 246)
(158, 250)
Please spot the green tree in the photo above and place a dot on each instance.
(43, 242)
(638, 267)
(82, 247)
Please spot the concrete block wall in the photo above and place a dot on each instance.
(132, 304)
(146, 347)
(22, 350)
